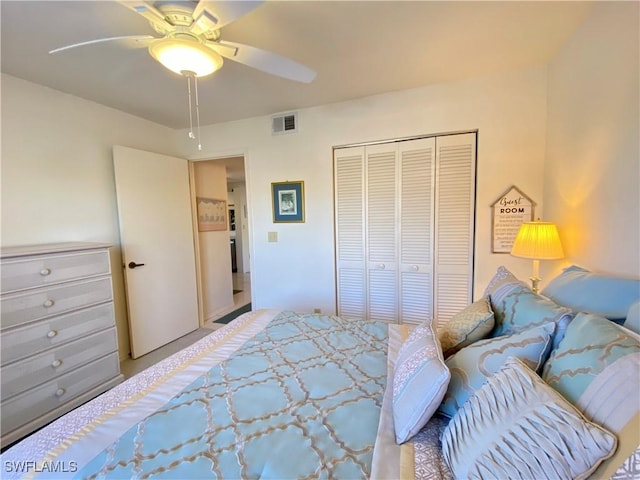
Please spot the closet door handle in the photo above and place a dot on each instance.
(381, 266)
(133, 265)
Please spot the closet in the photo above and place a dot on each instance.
(404, 213)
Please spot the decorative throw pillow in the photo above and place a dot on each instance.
(516, 426)
(591, 343)
(612, 400)
(420, 379)
(473, 323)
(502, 283)
(584, 291)
(472, 365)
(632, 322)
(517, 308)
(523, 309)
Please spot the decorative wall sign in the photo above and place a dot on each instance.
(509, 211)
(288, 201)
(212, 214)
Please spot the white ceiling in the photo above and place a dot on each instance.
(358, 49)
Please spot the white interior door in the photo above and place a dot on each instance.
(156, 234)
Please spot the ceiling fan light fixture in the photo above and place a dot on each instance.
(180, 55)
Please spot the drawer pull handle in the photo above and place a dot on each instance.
(52, 333)
(45, 271)
(60, 392)
(56, 363)
(49, 303)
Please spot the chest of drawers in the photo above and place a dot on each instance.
(57, 332)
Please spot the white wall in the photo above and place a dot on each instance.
(592, 169)
(214, 253)
(297, 272)
(57, 174)
(57, 171)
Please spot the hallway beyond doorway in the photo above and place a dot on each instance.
(241, 285)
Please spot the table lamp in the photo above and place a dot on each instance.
(538, 241)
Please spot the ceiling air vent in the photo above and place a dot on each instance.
(287, 123)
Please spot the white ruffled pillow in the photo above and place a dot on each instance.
(516, 426)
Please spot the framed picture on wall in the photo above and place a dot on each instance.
(288, 202)
(212, 214)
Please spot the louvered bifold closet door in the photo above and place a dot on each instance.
(454, 229)
(350, 240)
(381, 231)
(417, 170)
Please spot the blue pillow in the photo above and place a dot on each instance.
(420, 379)
(591, 343)
(524, 309)
(472, 365)
(500, 285)
(584, 291)
(517, 308)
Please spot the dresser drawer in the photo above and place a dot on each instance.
(37, 337)
(30, 405)
(20, 308)
(21, 376)
(39, 270)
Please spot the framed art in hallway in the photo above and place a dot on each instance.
(288, 202)
(212, 214)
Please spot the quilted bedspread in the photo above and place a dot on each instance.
(271, 395)
(301, 399)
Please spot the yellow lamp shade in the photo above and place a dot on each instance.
(538, 240)
(185, 56)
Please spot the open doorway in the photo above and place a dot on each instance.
(239, 250)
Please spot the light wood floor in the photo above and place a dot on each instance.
(130, 367)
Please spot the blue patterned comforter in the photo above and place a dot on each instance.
(300, 399)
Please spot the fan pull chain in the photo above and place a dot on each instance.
(195, 83)
(191, 135)
(190, 75)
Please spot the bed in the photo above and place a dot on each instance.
(280, 394)
(274, 394)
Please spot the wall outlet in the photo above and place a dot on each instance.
(272, 237)
(317, 310)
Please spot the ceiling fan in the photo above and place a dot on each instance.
(190, 42)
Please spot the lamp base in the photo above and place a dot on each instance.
(535, 278)
(534, 284)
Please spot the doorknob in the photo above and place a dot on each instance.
(134, 264)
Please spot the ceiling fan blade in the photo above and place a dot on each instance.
(148, 11)
(263, 60)
(140, 40)
(209, 15)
